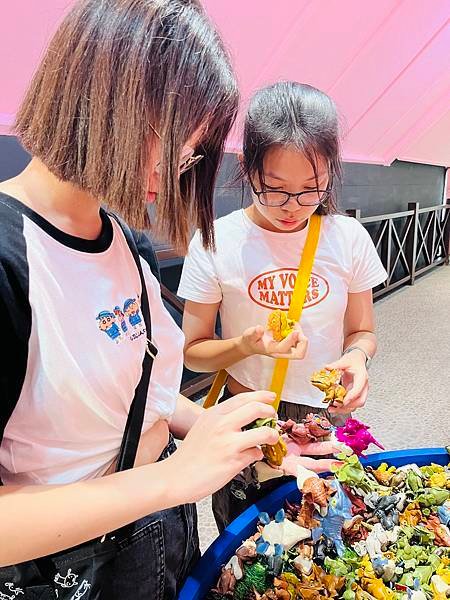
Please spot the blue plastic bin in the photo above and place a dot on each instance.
(207, 571)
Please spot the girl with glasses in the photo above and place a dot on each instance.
(291, 162)
(129, 96)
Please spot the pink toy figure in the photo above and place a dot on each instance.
(356, 436)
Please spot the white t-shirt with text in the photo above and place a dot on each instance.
(253, 272)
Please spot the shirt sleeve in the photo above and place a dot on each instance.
(367, 268)
(199, 281)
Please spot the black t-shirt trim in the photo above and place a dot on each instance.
(100, 244)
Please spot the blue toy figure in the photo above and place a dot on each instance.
(339, 510)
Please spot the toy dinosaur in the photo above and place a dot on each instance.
(329, 382)
(356, 436)
(279, 324)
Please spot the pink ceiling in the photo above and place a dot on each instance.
(385, 63)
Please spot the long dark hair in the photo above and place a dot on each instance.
(297, 115)
(116, 72)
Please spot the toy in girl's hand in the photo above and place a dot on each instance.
(312, 429)
(279, 324)
(356, 436)
(329, 382)
(274, 454)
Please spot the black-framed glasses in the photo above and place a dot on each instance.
(277, 198)
(186, 162)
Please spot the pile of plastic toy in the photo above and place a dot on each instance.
(361, 534)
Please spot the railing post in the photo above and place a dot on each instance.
(354, 212)
(411, 245)
(447, 233)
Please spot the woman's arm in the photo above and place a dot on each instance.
(39, 520)
(203, 353)
(359, 332)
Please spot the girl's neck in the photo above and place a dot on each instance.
(62, 203)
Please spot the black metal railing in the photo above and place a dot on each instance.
(409, 243)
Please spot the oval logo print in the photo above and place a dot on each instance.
(273, 289)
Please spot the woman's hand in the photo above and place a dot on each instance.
(257, 340)
(216, 449)
(354, 378)
(296, 456)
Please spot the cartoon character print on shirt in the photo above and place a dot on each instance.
(107, 323)
(123, 324)
(121, 318)
(131, 309)
(274, 289)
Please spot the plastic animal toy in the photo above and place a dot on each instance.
(312, 428)
(351, 473)
(383, 474)
(226, 583)
(358, 504)
(412, 515)
(303, 562)
(275, 454)
(329, 382)
(386, 508)
(317, 425)
(444, 513)
(280, 534)
(356, 435)
(441, 532)
(279, 324)
(354, 530)
(316, 491)
(339, 510)
(432, 497)
(255, 578)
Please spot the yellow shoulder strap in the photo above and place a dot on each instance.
(295, 312)
(297, 300)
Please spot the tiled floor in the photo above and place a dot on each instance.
(409, 404)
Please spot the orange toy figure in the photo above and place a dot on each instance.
(306, 516)
(280, 325)
(441, 535)
(383, 474)
(329, 382)
(412, 515)
(275, 454)
(316, 491)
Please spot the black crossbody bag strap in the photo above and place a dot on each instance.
(133, 427)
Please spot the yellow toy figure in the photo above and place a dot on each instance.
(329, 382)
(279, 324)
(275, 454)
(370, 583)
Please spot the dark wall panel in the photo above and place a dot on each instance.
(372, 188)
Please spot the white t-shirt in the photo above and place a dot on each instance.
(77, 310)
(253, 272)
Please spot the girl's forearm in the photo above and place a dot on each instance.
(366, 340)
(42, 519)
(207, 356)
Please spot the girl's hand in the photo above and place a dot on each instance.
(354, 378)
(256, 340)
(216, 449)
(296, 456)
